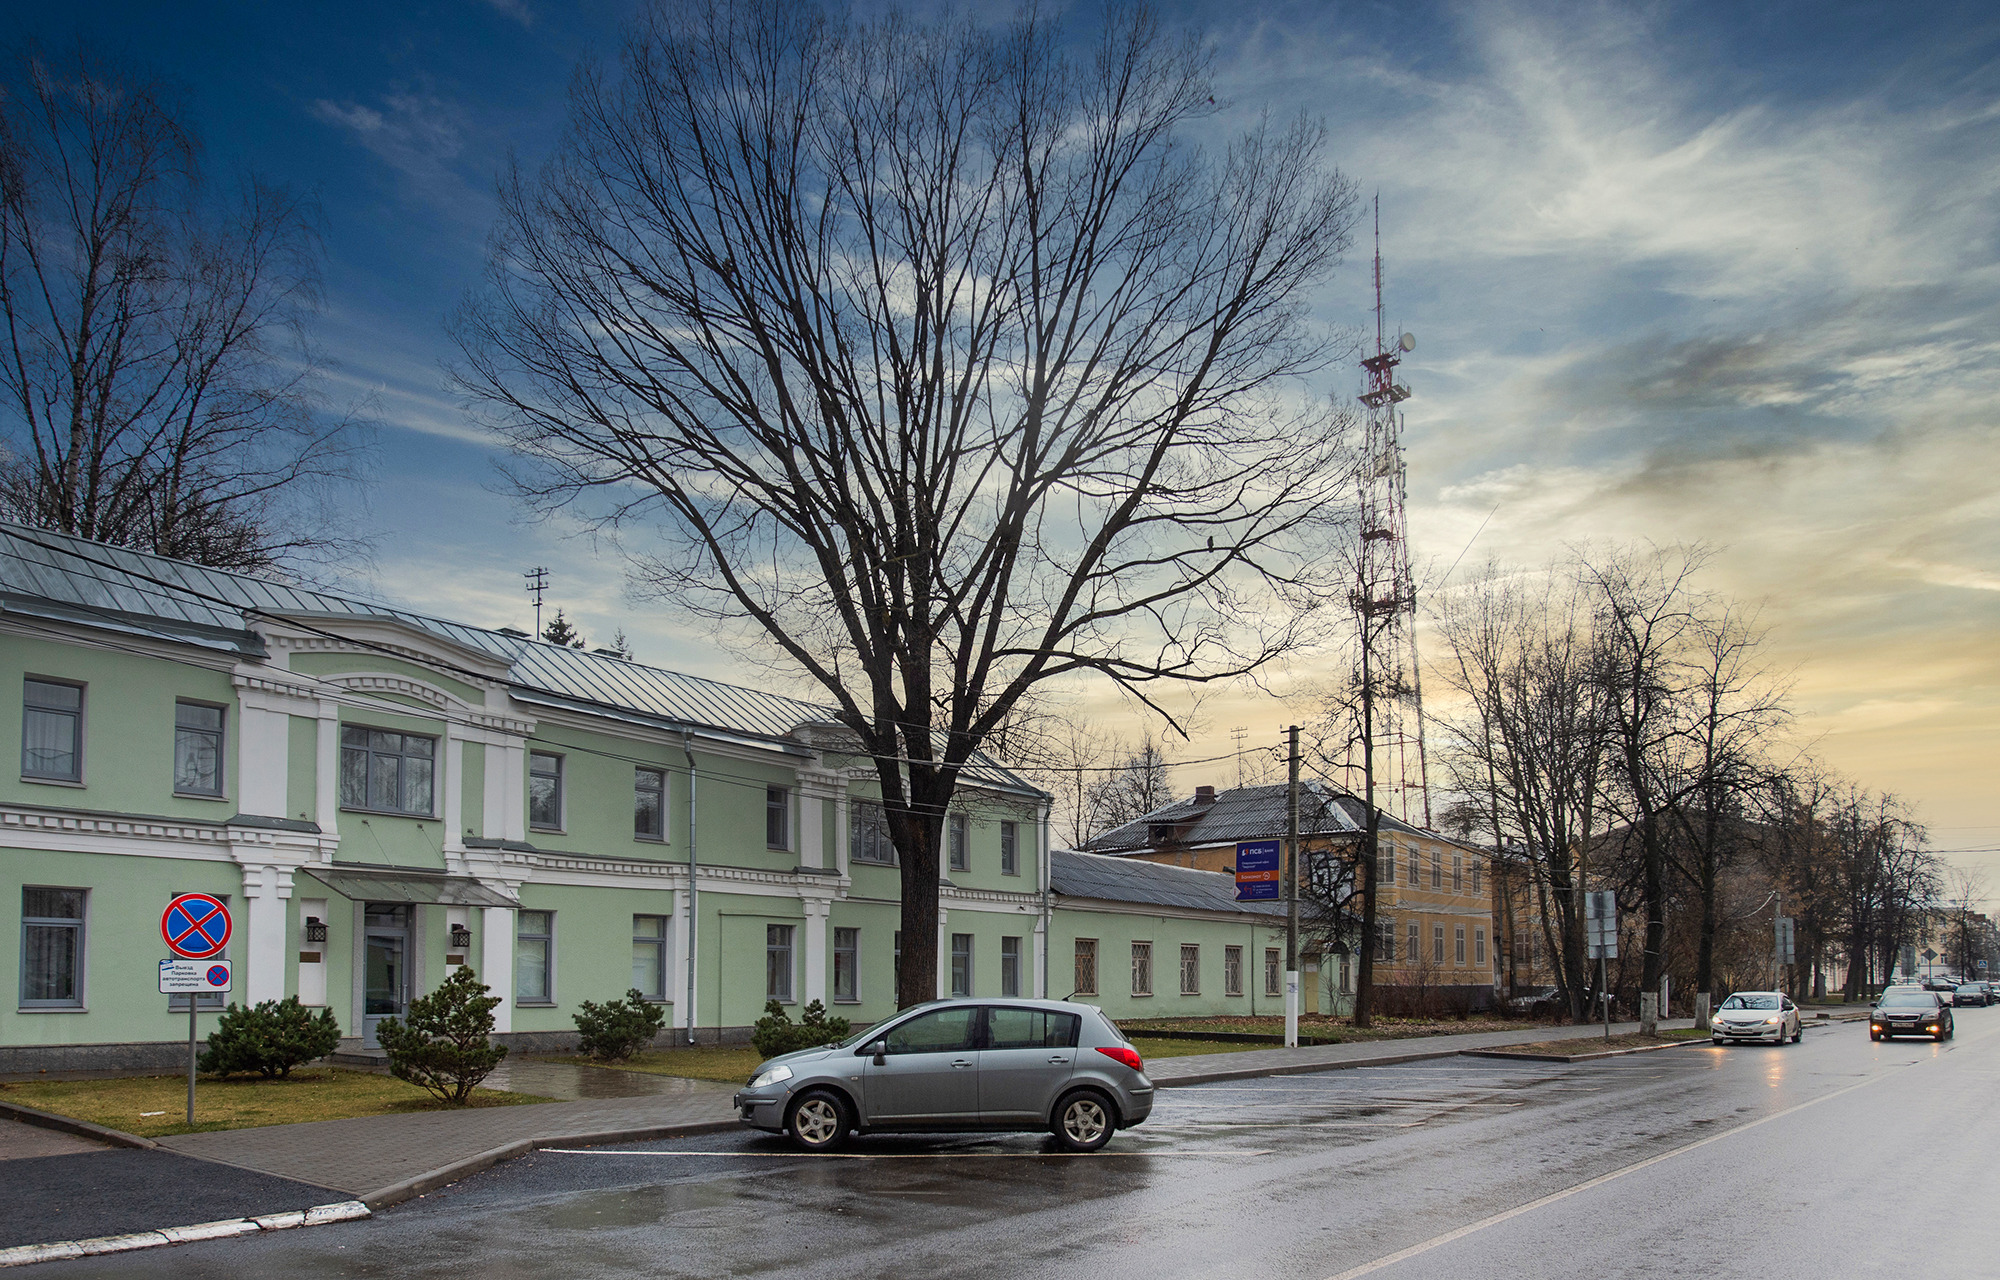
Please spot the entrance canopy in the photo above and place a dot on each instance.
(401, 884)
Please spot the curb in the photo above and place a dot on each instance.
(80, 1128)
(444, 1175)
(1580, 1057)
(1305, 1068)
(60, 1250)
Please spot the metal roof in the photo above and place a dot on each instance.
(115, 588)
(1244, 813)
(1111, 879)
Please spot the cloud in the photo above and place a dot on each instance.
(417, 134)
(515, 9)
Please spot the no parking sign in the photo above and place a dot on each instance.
(196, 926)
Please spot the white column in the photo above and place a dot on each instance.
(816, 914)
(507, 790)
(840, 830)
(326, 773)
(812, 827)
(312, 973)
(263, 738)
(677, 960)
(454, 791)
(944, 954)
(1041, 944)
(264, 936)
(496, 961)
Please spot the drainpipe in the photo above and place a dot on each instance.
(1047, 855)
(694, 915)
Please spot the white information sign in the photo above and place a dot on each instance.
(178, 977)
(1601, 921)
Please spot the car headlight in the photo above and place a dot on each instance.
(770, 1075)
(1772, 1022)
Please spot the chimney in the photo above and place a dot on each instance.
(1204, 797)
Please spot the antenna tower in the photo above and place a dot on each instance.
(1386, 596)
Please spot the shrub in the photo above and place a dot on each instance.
(269, 1039)
(775, 1033)
(442, 1045)
(615, 1031)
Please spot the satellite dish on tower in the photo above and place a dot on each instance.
(1408, 342)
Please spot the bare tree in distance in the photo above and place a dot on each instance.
(935, 358)
(159, 390)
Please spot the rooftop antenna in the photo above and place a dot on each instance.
(1241, 735)
(538, 583)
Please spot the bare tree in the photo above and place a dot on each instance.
(1962, 891)
(159, 391)
(936, 357)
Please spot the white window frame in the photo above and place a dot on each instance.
(369, 753)
(1142, 967)
(556, 825)
(781, 940)
(1437, 944)
(221, 736)
(778, 818)
(1232, 971)
(958, 842)
(847, 976)
(1085, 952)
(961, 965)
(868, 828)
(1010, 848)
(657, 944)
(1010, 967)
(77, 724)
(1458, 945)
(1479, 946)
(1190, 968)
(76, 927)
(639, 772)
(547, 939)
(1274, 982)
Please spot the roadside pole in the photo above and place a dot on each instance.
(1292, 894)
(193, 1000)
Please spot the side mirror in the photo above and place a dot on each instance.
(878, 1050)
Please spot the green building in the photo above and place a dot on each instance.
(381, 797)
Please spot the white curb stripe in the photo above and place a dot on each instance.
(24, 1254)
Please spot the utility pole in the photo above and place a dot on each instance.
(1292, 893)
(538, 582)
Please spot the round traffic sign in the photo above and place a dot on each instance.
(196, 926)
(218, 975)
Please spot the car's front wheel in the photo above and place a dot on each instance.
(818, 1120)
(1718, 1041)
(1083, 1121)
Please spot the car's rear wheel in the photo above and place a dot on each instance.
(818, 1120)
(1083, 1121)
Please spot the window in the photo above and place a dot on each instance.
(1437, 869)
(1142, 968)
(955, 842)
(1346, 966)
(1415, 873)
(1475, 875)
(649, 956)
(1086, 967)
(649, 804)
(386, 772)
(1414, 935)
(1458, 873)
(1232, 971)
(52, 731)
(1437, 944)
(1272, 975)
(961, 964)
(1190, 969)
(52, 948)
(1010, 848)
(846, 965)
(777, 818)
(1031, 1029)
(1010, 966)
(868, 834)
(1385, 863)
(197, 749)
(1458, 944)
(545, 787)
(534, 957)
(1385, 940)
(943, 1031)
(778, 962)
(1478, 943)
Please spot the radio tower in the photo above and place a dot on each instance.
(1385, 598)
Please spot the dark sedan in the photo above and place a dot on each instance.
(1972, 993)
(1904, 1012)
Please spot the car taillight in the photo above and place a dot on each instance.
(1125, 1054)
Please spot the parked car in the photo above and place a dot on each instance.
(1536, 1002)
(1944, 985)
(957, 1065)
(1910, 1013)
(1756, 1015)
(1971, 993)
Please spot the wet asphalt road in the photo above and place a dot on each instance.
(1835, 1157)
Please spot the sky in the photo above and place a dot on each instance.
(1677, 272)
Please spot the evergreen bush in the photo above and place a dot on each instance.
(269, 1039)
(775, 1033)
(443, 1043)
(614, 1031)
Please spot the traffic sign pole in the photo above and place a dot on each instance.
(196, 926)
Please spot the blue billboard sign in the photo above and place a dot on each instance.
(1258, 870)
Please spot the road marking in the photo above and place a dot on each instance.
(897, 1155)
(1494, 1220)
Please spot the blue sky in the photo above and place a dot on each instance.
(1720, 272)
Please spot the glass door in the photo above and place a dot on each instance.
(385, 967)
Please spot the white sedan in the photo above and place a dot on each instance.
(1757, 1015)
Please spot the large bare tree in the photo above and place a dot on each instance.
(935, 354)
(158, 389)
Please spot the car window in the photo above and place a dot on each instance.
(1750, 1002)
(1030, 1029)
(1909, 1000)
(1789, 1006)
(944, 1031)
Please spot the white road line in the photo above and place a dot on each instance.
(896, 1155)
(1402, 1255)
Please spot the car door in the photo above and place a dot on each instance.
(1793, 1022)
(1028, 1056)
(929, 1073)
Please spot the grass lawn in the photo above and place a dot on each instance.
(1325, 1028)
(729, 1063)
(1598, 1044)
(312, 1093)
(1151, 1047)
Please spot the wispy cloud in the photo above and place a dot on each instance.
(417, 134)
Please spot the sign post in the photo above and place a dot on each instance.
(1600, 910)
(196, 927)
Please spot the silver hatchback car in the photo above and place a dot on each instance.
(957, 1065)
